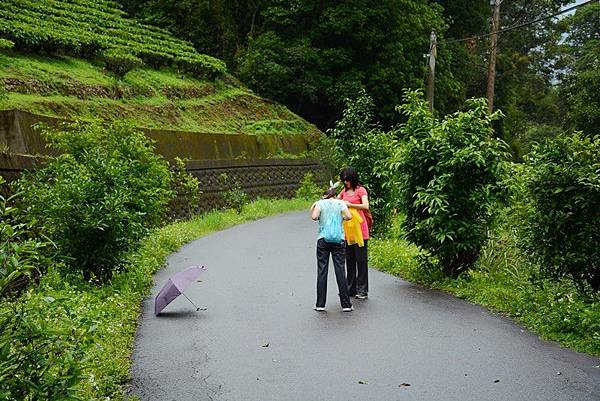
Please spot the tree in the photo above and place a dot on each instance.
(581, 83)
(313, 55)
(527, 65)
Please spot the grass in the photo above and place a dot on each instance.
(161, 99)
(504, 281)
(112, 309)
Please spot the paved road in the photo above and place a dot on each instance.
(260, 289)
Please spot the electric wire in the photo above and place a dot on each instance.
(521, 25)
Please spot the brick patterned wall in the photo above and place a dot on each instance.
(276, 178)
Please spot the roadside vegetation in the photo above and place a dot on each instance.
(500, 208)
(520, 238)
(72, 278)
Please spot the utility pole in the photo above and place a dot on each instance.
(493, 47)
(431, 68)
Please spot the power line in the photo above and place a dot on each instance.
(510, 28)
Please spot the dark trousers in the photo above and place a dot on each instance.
(357, 269)
(324, 249)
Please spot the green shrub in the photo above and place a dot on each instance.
(39, 359)
(120, 61)
(560, 208)
(186, 189)
(6, 44)
(362, 144)
(308, 188)
(21, 254)
(100, 196)
(234, 197)
(451, 180)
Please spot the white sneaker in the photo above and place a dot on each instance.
(319, 308)
(350, 309)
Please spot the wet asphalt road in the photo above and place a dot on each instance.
(259, 290)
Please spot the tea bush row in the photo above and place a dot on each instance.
(89, 29)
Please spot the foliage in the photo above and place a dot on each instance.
(40, 358)
(313, 55)
(216, 27)
(560, 206)
(22, 256)
(527, 65)
(502, 281)
(450, 175)
(362, 144)
(120, 62)
(6, 44)
(185, 186)
(100, 196)
(88, 28)
(234, 197)
(163, 99)
(63, 316)
(309, 189)
(581, 85)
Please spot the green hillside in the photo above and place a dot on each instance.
(161, 99)
(84, 59)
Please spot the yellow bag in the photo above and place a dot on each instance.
(352, 229)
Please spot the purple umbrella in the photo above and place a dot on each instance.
(175, 287)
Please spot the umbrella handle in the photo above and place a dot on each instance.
(197, 308)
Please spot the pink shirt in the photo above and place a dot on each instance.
(356, 198)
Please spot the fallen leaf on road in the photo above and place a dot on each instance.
(404, 385)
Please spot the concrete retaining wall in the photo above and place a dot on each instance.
(211, 156)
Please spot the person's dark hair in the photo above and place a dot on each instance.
(330, 193)
(349, 174)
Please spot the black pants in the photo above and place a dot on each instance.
(357, 269)
(324, 249)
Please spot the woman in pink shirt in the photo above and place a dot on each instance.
(357, 269)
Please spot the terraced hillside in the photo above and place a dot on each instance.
(84, 59)
(160, 99)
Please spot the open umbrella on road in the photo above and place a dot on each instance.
(175, 287)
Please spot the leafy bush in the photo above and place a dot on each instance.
(100, 196)
(39, 359)
(308, 188)
(560, 207)
(6, 44)
(451, 179)
(362, 144)
(234, 197)
(186, 189)
(120, 61)
(21, 254)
